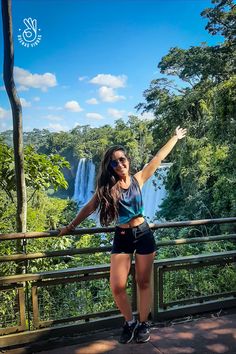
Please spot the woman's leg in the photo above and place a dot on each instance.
(143, 270)
(120, 267)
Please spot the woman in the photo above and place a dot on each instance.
(118, 198)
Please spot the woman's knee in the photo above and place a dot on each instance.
(117, 288)
(143, 282)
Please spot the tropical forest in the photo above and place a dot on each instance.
(196, 89)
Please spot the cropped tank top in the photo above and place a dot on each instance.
(130, 203)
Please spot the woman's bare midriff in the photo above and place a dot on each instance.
(133, 222)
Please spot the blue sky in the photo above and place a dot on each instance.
(94, 58)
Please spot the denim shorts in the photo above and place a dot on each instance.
(139, 239)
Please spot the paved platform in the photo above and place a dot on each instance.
(212, 334)
(208, 334)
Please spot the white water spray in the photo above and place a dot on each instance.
(84, 182)
(153, 191)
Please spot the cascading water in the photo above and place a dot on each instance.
(153, 191)
(84, 182)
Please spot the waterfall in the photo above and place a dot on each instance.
(84, 182)
(154, 192)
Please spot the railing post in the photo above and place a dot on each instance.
(134, 294)
(155, 292)
(21, 296)
(161, 307)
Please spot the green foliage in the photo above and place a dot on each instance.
(7, 170)
(201, 182)
(42, 171)
(191, 283)
(221, 19)
(45, 213)
(82, 141)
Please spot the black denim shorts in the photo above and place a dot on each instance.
(139, 239)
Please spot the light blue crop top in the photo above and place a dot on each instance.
(130, 203)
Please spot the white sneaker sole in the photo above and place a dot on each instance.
(143, 340)
(132, 337)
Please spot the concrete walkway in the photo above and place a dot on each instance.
(207, 335)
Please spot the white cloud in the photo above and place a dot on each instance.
(82, 78)
(25, 80)
(147, 115)
(144, 116)
(95, 116)
(27, 128)
(36, 99)
(109, 80)
(53, 117)
(4, 113)
(92, 101)
(25, 103)
(5, 122)
(115, 113)
(4, 126)
(22, 88)
(57, 127)
(107, 94)
(73, 106)
(54, 108)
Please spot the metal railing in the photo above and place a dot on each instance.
(40, 304)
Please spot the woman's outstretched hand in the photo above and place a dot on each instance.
(180, 132)
(63, 231)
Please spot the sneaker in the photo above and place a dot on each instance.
(143, 332)
(128, 332)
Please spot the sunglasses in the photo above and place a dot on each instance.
(115, 163)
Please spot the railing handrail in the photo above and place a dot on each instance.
(103, 249)
(49, 274)
(81, 270)
(28, 288)
(94, 230)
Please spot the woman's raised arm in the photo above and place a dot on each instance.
(143, 175)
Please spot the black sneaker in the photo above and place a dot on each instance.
(143, 332)
(128, 332)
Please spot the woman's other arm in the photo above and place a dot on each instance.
(84, 212)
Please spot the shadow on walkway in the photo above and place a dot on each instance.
(204, 335)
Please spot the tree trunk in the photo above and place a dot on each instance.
(16, 115)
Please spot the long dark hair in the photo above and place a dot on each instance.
(108, 191)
